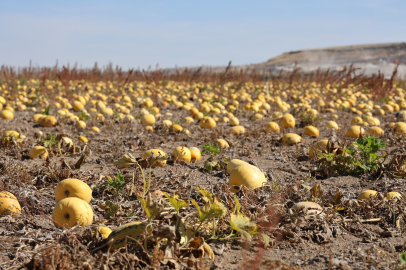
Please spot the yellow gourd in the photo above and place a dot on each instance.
(207, 122)
(291, 139)
(7, 114)
(71, 211)
(392, 194)
(96, 129)
(195, 154)
(234, 163)
(176, 128)
(148, 120)
(80, 124)
(83, 139)
(355, 132)
(272, 127)
(367, 195)
(49, 121)
(157, 153)
(10, 136)
(238, 130)
(234, 121)
(311, 131)
(77, 106)
(375, 131)
(182, 154)
(167, 123)
(73, 188)
(38, 151)
(246, 175)
(104, 231)
(188, 120)
(357, 121)
(332, 125)
(222, 143)
(9, 204)
(287, 121)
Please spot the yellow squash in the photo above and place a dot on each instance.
(157, 153)
(195, 154)
(38, 151)
(9, 204)
(246, 175)
(71, 211)
(73, 188)
(234, 163)
(182, 154)
(367, 195)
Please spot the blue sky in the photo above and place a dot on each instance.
(137, 34)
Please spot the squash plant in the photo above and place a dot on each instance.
(360, 158)
(190, 233)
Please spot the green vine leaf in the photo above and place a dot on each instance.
(237, 206)
(207, 197)
(220, 205)
(403, 258)
(208, 211)
(176, 202)
(112, 209)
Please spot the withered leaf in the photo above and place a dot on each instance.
(79, 163)
(243, 225)
(150, 207)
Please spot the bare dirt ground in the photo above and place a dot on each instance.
(31, 241)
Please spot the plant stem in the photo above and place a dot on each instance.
(214, 228)
(224, 239)
(193, 235)
(143, 178)
(132, 186)
(177, 221)
(149, 180)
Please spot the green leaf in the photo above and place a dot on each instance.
(186, 233)
(219, 204)
(237, 206)
(243, 225)
(150, 207)
(403, 258)
(112, 209)
(265, 238)
(208, 211)
(83, 116)
(46, 112)
(176, 202)
(120, 177)
(206, 195)
(210, 165)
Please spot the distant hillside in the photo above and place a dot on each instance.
(369, 59)
(343, 55)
